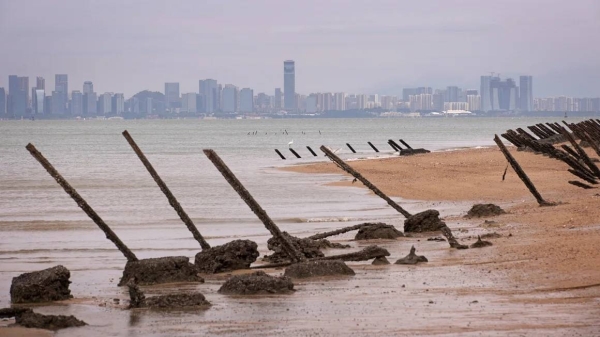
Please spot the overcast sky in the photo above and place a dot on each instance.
(374, 46)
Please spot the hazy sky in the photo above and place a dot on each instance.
(375, 46)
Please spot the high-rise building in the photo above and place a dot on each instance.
(361, 102)
(18, 96)
(474, 102)
(209, 89)
(2, 103)
(38, 100)
(246, 100)
(504, 94)
(172, 95)
(40, 83)
(89, 103)
(485, 91)
(328, 101)
(278, 99)
(289, 85)
(230, 98)
(61, 84)
(88, 87)
(118, 104)
(339, 101)
(58, 103)
(105, 103)
(526, 93)
(76, 106)
(453, 94)
(311, 103)
(189, 102)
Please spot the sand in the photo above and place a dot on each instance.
(540, 278)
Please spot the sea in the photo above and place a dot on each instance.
(41, 226)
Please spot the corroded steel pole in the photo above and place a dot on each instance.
(163, 187)
(363, 180)
(293, 253)
(81, 203)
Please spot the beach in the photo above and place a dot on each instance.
(541, 276)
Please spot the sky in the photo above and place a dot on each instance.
(353, 46)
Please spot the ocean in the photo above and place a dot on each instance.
(40, 226)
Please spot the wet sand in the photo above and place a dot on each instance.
(540, 278)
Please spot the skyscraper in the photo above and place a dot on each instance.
(246, 100)
(289, 85)
(230, 98)
(452, 94)
(18, 96)
(38, 101)
(105, 103)
(118, 104)
(486, 93)
(76, 106)
(40, 83)
(278, 98)
(58, 103)
(89, 99)
(189, 102)
(61, 84)
(526, 93)
(2, 103)
(210, 95)
(88, 87)
(503, 94)
(172, 95)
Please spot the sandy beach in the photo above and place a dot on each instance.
(541, 277)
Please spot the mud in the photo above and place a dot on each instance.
(380, 261)
(318, 268)
(161, 270)
(480, 243)
(484, 210)
(412, 258)
(237, 254)
(378, 230)
(139, 300)
(493, 235)
(46, 285)
(309, 247)
(426, 221)
(258, 282)
(29, 319)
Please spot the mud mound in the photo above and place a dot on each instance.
(161, 270)
(139, 300)
(46, 285)
(318, 268)
(378, 230)
(484, 210)
(480, 243)
(257, 283)
(310, 248)
(493, 235)
(412, 258)
(380, 261)
(237, 254)
(30, 319)
(426, 221)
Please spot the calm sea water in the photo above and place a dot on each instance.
(40, 226)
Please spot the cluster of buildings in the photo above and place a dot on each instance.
(214, 99)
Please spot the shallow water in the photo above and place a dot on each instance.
(41, 227)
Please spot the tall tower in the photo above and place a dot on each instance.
(209, 90)
(172, 95)
(289, 85)
(485, 93)
(2, 102)
(526, 93)
(61, 86)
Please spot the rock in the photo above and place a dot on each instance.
(484, 210)
(480, 243)
(161, 270)
(257, 283)
(139, 300)
(378, 230)
(30, 319)
(310, 248)
(318, 268)
(380, 261)
(412, 258)
(426, 221)
(367, 253)
(493, 235)
(409, 152)
(12, 312)
(237, 254)
(46, 285)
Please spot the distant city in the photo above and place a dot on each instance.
(495, 96)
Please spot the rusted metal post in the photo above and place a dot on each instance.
(586, 159)
(311, 151)
(405, 144)
(350, 147)
(81, 203)
(363, 180)
(163, 187)
(521, 173)
(293, 253)
(280, 155)
(373, 147)
(339, 231)
(295, 153)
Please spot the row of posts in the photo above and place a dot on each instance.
(391, 143)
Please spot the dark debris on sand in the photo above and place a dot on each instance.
(234, 255)
(484, 210)
(25, 317)
(412, 258)
(46, 285)
(318, 268)
(378, 230)
(309, 247)
(139, 300)
(258, 282)
(480, 243)
(161, 270)
(426, 221)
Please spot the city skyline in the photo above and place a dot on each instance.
(125, 47)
